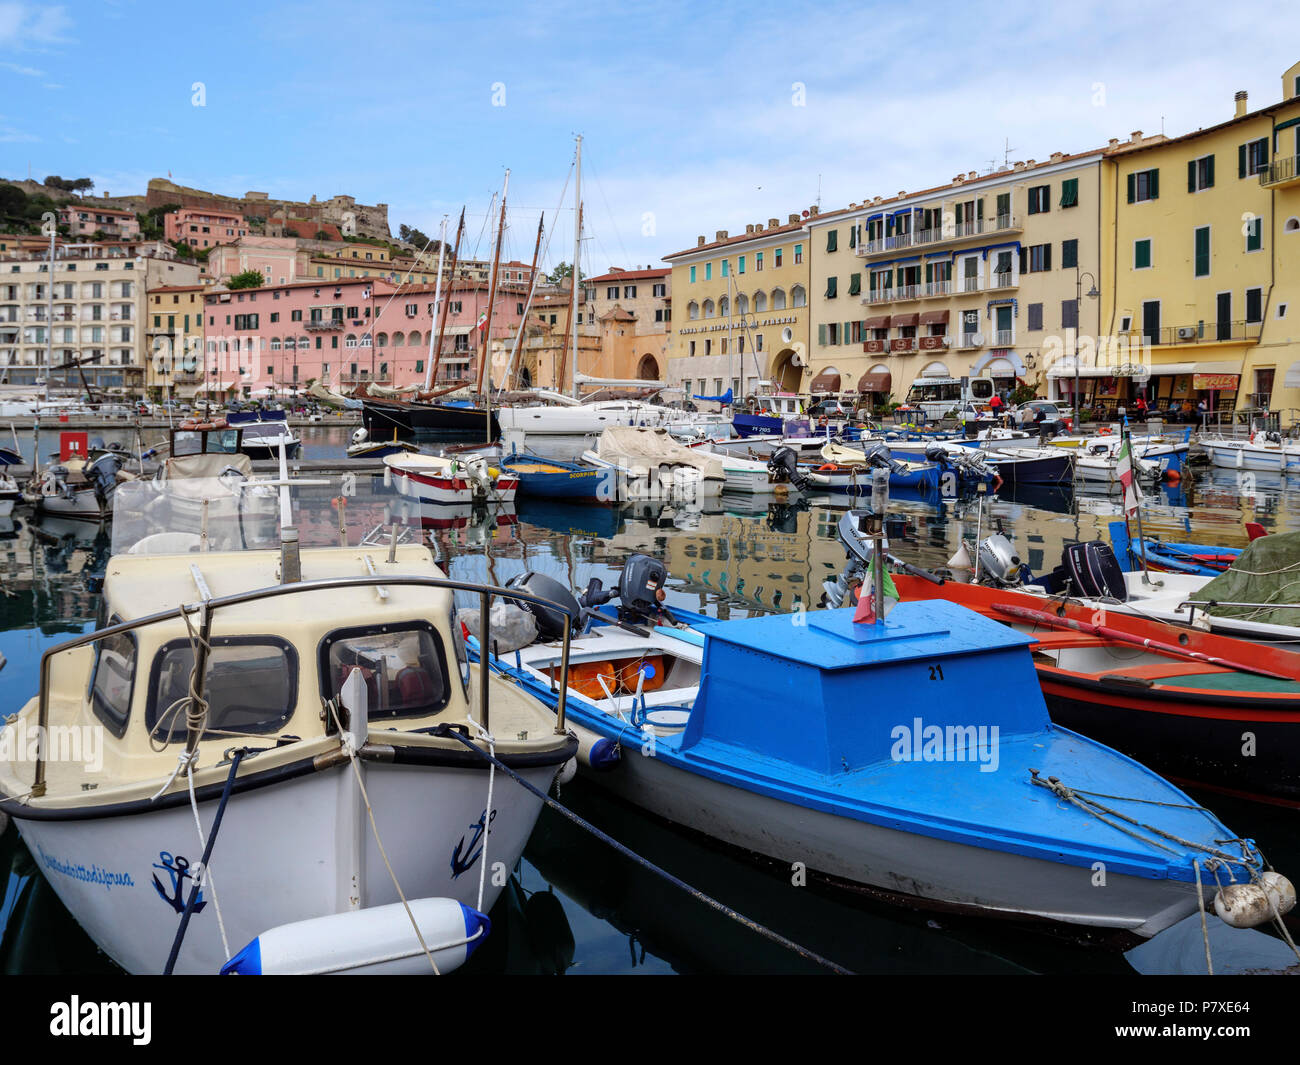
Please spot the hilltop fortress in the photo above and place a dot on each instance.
(343, 211)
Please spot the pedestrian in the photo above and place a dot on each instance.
(1141, 405)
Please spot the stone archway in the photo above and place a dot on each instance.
(525, 378)
(648, 368)
(785, 375)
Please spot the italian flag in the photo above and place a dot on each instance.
(1124, 471)
(482, 321)
(866, 612)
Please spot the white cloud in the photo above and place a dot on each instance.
(27, 26)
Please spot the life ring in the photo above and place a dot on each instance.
(826, 467)
(821, 421)
(189, 424)
(221, 423)
(1105, 430)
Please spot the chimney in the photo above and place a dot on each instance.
(772, 223)
(1057, 156)
(1240, 98)
(1135, 137)
(814, 210)
(793, 219)
(721, 235)
(969, 177)
(958, 180)
(758, 227)
(1114, 142)
(1031, 162)
(699, 243)
(749, 229)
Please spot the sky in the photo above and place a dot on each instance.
(695, 117)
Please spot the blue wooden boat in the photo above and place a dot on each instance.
(10, 457)
(1201, 560)
(555, 479)
(911, 759)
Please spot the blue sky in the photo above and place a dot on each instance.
(692, 115)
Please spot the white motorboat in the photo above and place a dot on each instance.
(443, 479)
(80, 489)
(650, 464)
(1263, 452)
(577, 419)
(275, 751)
(10, 494)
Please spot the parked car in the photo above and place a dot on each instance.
(1026, 415)
(829, 409)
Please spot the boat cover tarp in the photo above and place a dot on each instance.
(1267, 571)
(726, 399)
(636, 446)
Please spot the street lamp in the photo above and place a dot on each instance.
(1078, 317)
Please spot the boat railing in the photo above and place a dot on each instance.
(1205, 604)
(207, 607)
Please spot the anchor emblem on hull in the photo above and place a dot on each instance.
(178, 870)
(464, 856)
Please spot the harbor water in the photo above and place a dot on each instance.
(575, 905)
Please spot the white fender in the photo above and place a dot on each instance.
(378, 940)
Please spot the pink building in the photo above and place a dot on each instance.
(280, 337)
(84, 220)
(204, 227)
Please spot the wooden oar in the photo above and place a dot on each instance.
(1041, 617)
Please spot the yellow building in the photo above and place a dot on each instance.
(978, 277)
(1203, 232)
(740, 311)
(174, 327)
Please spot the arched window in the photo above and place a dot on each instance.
(742, 304)
(413, 341)
(381, 341)
(760, 302)
(724, 307)
(778, 299)
(365, 340)
(1291, 225)
(275, 343)
(798, 297)
(350, 341)
(304, 343)
(399, 339)
(708, 308)
(692, 310)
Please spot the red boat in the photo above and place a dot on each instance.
(1197, 707)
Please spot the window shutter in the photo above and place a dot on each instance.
(1155, 184)
(844, 336)
(853, 235)
(1263, 150)
(979, 208)
(1191, 175)
(1024, 260)
(929, 273)
(1241, 160)
(1047, 256)
(1132, 183)
(1209, 176)
(821, 335)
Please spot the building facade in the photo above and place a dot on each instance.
(174, 329)
(99, 314)
(85, 220)
(1204, 235)
(645, 295)
(979, 277)
(203, 228)
(741, 316)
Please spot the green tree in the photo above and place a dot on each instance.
(248, 279)
(561, 272)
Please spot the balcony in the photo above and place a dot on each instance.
(879, 295)
(937, 288)
(949, 234)
(969, 341)
(1203, 333)
(1004, 338)
(902, 344)
(1004, 280)
(874, 347)
(970, 284)
(932, 343)
(323, 325)
(1281, 173)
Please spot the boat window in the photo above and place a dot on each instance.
(404, 667)
(462, 653)
(251, 687)
(112, 681)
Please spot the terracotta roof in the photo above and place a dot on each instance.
(1157, 141)
(618, 315)
(302, 227)
(629, 275)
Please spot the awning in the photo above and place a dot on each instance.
(1172, 368)
(905, 319)
(934, 318)
(825, 382)
(1292, 378)
(875, 382)
(1084, 371)
(880, 321)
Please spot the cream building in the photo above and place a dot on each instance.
(740, 311)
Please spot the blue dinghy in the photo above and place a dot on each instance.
(554, 479)
(911, 759)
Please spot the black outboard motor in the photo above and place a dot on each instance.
(639, 591)
(550, 620)
(937, 453)
(879, 457)
(783, 465)
(1094, 571)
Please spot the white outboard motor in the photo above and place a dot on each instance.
(476, 472)
(360, 436)
(999, 562)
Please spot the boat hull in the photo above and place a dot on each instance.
(1240, 455)
(106, 877)
(432, 420)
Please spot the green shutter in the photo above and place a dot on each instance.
(853, 235)
(821, 335)
(1255, 234)
(1209, 177)
(1132, 187)
(855, 284)
(1203, 252)
(1241, 160)
(832, 288)
(832, 239)
(929, 273)
(1191, 175)
(1069, 254)
(1155, 185)
(1069, 192)
(1142, 254)
(1047, 256)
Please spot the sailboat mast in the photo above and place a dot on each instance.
(437, 303)
(485, 345)
(577, 258)
(436, 361)
(528, 305)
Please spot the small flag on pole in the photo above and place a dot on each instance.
(482, 321)
(1124, 471)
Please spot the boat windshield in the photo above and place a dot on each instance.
(223, 512)
(264, 430)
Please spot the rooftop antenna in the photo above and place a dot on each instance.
(1006, 151)
(819, 193)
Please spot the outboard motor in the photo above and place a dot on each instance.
(550, 620)
(640, 589)
(360, 436)
(858, 549)
(476, 472)
(103, 476)
(879, 457)
(999, 562)
(784, 468)
(1094, 571)
(937, 453)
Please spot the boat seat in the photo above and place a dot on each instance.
(415, 687)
